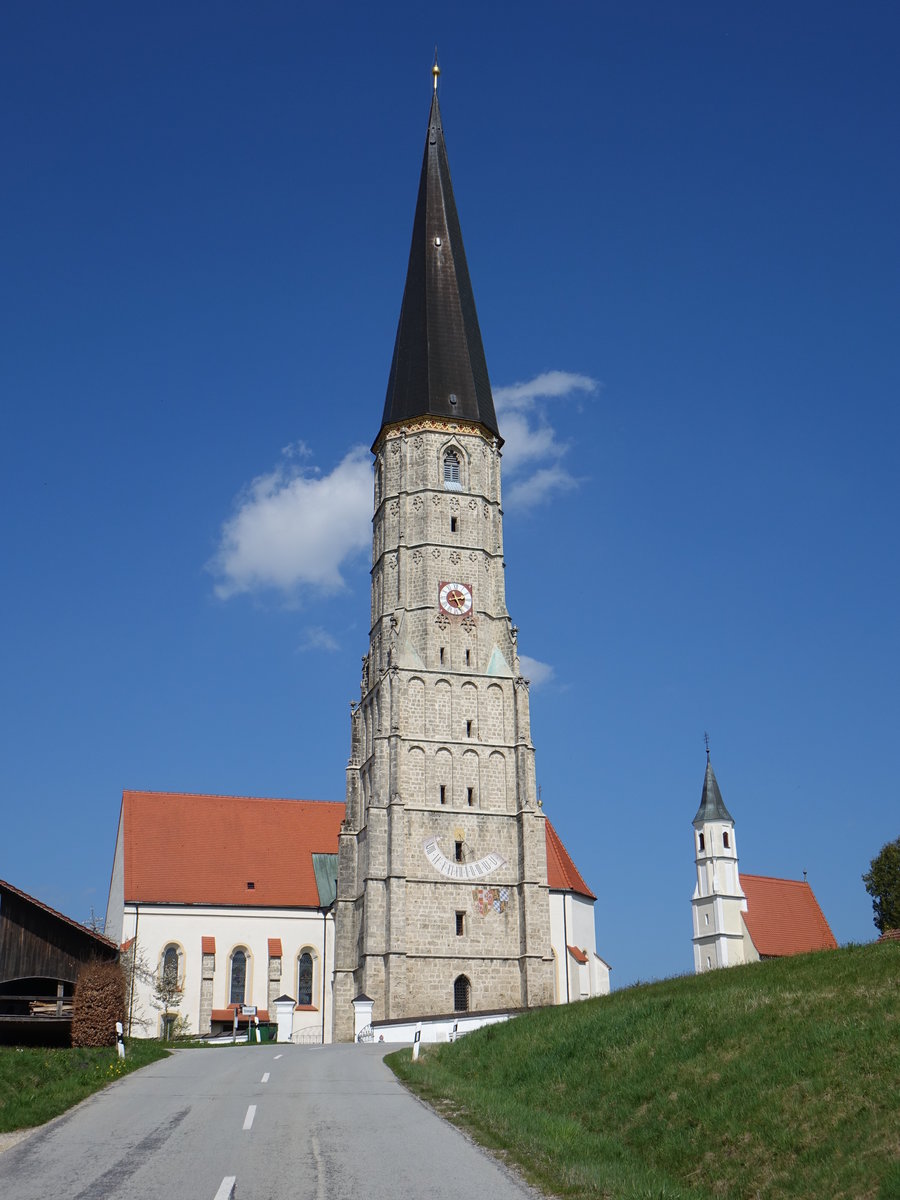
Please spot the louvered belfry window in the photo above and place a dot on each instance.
(451, 468)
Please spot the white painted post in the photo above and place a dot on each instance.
(284, 1015)
(416, 1040)
(362, 1013)
(120, 1041)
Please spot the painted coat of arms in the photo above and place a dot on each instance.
(490, 899)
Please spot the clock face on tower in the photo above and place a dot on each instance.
(455, 598)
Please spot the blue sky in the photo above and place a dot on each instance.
(681, 225)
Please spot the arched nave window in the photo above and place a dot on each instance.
(238, 987)
(305, 978)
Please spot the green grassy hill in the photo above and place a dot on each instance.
(780, 1079)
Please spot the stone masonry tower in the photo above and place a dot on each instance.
(442, 901)
(718, 899)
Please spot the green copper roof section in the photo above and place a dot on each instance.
(438, 368)
(325, 867)
(712, 806)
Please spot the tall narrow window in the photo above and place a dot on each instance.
(443, 793)
(451, 469)
(468, 726)
(170, 967)
(305, 978)
(442, 654)
(454, 524)
(460, 924)
(725, 839)
(461, 988)
(238, 977)
(470, 796)
(702, 842)
(468, 658)
(459, 851)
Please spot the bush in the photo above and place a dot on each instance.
(98, 1003)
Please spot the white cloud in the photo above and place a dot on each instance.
(543, 386)
(536, 672)
(530, 441)
(294, 526)
(317, 638)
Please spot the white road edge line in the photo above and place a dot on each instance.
(265, 1078)
(251, 1113)
(226, 1188)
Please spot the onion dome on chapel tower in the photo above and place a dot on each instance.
(438, 368)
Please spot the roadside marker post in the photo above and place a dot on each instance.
(416, 1040)
(120, 1041)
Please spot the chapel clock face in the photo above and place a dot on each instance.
(455, 598)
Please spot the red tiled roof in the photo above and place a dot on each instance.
(578, 955)
(185, 848)
(274, 947)
(890, 935)
(562, 874)
(207, 945)
(783, 917)
(194, 849)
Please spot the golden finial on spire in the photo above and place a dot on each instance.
(435, 70)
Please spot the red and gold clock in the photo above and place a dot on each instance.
(455, 598)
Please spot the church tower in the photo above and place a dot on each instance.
(442, 901)
(718, 899)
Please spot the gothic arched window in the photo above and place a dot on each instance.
(305, 978)
(170, 966)
(451, 469)
(461, 988)
(238, 977)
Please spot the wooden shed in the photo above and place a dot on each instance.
(41, 953)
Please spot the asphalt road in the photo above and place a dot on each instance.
(254, 1123)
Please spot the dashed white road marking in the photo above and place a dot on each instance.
(320, 1168)
(226, 1188)
(277, 1056)
(248, 1120)
(265, 1078)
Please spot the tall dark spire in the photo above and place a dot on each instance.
(712, 806)
(438, 367)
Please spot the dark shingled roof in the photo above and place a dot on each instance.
(712, 806)
(438, 353)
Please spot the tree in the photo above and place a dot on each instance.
(168, 994)
(882, 882)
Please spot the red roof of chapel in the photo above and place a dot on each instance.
(190, 849)
(184, 848)
(784, 917)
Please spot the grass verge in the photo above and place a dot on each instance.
(37, 1084)
(776, 1081)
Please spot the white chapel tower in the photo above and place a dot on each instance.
(442, 898)
(718, 899)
